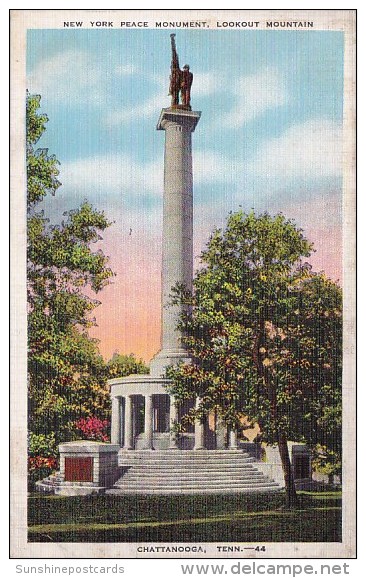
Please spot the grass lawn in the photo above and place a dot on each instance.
(206, 518)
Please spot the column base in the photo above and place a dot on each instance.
(167, 357)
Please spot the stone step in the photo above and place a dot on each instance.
(193, 490)
(56, 478)
(186, 463)
(154, 473)
(184, 455)
(190, 472)
(178, 467)
(171, 472)
(184, 452)
(184, 460)
(193, 483)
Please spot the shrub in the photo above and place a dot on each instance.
(42, 445)
(40, 467)
(93, 428)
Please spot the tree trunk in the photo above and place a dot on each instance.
(291, 496)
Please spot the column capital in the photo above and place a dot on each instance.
(186, 118)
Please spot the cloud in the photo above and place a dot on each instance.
(71, 76)
(111, 174)
(311, 150)
(255, 94)
(147, 108)
(204, 83)
(210, 167)
(125, 69)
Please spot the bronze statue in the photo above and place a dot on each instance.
(180, 80)
(175, 76)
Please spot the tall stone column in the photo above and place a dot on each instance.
(116, 421)
(148, 422)
(128, 423)
(177, 264)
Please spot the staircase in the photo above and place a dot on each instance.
(189, 472)
(55, 484)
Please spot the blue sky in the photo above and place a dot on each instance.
(269, 138)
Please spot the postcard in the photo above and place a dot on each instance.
(183, 284)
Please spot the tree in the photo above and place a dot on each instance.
(122, 365)
(264, 333)
(67, 377)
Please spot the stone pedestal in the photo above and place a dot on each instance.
(87, 467)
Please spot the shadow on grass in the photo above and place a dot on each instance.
(234, 518)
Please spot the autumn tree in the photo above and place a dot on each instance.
(264, 333)
(121, 365)
(67, 377)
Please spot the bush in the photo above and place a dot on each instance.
(93, 428)
(42, 460)
(42, 445)
(39, 467)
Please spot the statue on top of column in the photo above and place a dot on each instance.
(180, 81)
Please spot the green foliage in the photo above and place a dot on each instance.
(67, 376)
(42, 169)
(265, 334)
(327, 461)
(42, 445)
(122, 365)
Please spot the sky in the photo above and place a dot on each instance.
(269, 139)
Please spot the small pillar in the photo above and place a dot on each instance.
(148, 422)
(221, 431)
(173, 418)
(116, 421)
(233, 440)
(128, 424)
(199, 432)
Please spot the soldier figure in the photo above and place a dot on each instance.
(180, 80)
(185, 86)
(175, 76)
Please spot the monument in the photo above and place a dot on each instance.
(146, 395)
(145, 455)
(206, 458)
